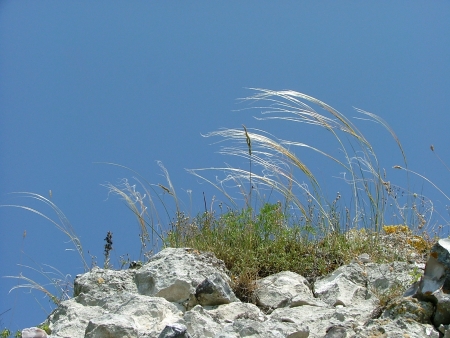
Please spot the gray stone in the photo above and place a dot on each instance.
(399, 327)
(319, 319)
(337, 331)
(347, 287)
(175, 273)
(283, 289)
(175, 331)
(408, 307)
(434, 285)
(112, 326)
(200, 323)
(363, 259)
(228, 313)
(383, 277)
(214, 290)
(268, 329)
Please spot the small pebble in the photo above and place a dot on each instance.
(364, 258)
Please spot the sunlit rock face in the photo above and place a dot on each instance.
(434, 285)
(186, 293)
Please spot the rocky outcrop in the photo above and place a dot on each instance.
(186, 293)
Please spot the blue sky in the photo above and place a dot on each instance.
(133, 83)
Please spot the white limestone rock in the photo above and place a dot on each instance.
(112, 325)
(319, 319)
(34, 332)
(200, 323)
(284, 289)
(228, 313)
(267, 329)
(400, 327)
(171, 297)
(70, 318)
(175, 273)
(150, 314)
(346, 287)
(98, 283)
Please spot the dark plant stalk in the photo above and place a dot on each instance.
(108, 248)
(249, 145)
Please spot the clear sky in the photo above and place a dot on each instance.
(136, 82)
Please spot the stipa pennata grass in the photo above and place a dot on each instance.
(149, 207)
(277, 161)
(315, 229)
(62, 224)
(57, 286)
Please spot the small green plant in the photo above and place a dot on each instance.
(387, 296)
(5, 333)
(45, 327)
(415, 274)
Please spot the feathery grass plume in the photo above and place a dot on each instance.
(288, 103)
(63, 225)
(60, 282)
(277, 162)
(144, 207)
(267, 153)
(59, 287)
(423, 208)
(422, 177)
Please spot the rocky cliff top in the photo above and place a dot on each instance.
(186, 293)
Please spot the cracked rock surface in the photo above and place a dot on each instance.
(186, 293)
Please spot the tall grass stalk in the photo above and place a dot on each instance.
(144, 207)
(424, 178)
(63, 225)
(277, 161)
(305, 233)
(59, 286)
(56, 280)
